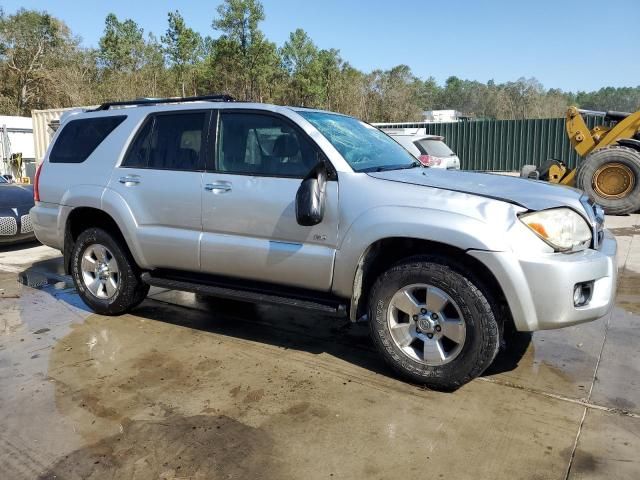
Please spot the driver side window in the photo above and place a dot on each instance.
(255, 144)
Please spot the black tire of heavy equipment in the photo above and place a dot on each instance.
(589, 166)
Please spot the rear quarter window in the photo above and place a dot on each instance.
(79, 138)
(435, 148)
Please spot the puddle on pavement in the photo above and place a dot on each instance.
(544, 362)
(175, 447)
(149, 407)
(46, 274)
(36, 279)
(113, 369)
(561, 360)
(161, 399)
(49, 277)
(628, 296)
(625, 231)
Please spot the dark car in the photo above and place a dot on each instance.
(15, 222)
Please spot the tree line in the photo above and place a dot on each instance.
(43, 65)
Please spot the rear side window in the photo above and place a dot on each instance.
(169, 142)
(79, 138)
(435, 148)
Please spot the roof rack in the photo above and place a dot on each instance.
(157, 101)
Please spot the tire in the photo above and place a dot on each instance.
(477, 335)
(526, 171)
(627, 202)
(108, 281)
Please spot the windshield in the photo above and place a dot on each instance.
(364, 147)
(436, 148)
(2, 179)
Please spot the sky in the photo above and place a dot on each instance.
(567, 44)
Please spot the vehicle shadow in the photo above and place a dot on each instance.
(300, 330)
(509, 356)
(14, 247)
(282, 327)
(289, 328)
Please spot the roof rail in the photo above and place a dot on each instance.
(157, 101)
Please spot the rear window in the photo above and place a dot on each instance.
(79, 138)
(435, 148)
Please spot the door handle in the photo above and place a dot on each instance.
(130, 180)
(220, 187)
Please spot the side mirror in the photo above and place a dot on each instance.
(310, 198)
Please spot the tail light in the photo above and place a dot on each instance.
(36, 184)
(430, 161)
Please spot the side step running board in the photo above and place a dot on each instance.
(252, 296)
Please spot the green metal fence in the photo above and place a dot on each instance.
(505, 145)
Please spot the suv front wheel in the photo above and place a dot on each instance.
(432, 323)
(104, 273)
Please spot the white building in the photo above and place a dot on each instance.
(16, 136)
(443, 116)
(418, 128)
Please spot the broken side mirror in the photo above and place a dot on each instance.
(310, 198)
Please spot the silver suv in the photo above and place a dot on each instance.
(321, 211)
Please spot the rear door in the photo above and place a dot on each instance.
(248, 211)
(160, 179)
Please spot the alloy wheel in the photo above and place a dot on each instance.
(426, 324)
(100, 272)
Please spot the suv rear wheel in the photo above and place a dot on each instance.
(432, 323)
(104, 273)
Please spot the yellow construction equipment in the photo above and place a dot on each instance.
(610, 170)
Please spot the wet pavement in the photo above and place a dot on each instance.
(188, 387)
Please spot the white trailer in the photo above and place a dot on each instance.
(45, 124)
(16, 141)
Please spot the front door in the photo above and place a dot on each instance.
(248, 207)
(160, 179)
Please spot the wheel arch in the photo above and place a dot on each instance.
(81, 218)
(386, 252)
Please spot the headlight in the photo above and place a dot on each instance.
(562, 228)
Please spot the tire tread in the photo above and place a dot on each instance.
(587, 167)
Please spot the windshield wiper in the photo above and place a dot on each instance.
(385, 168)
(411, 165)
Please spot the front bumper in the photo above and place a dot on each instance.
(539, 290)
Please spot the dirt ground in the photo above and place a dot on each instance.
(186, 387)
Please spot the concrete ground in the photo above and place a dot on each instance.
(205, 389)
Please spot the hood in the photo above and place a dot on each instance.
(530, 194)
(14, 195)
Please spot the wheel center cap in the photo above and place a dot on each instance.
(102, 271)
(425, 324)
